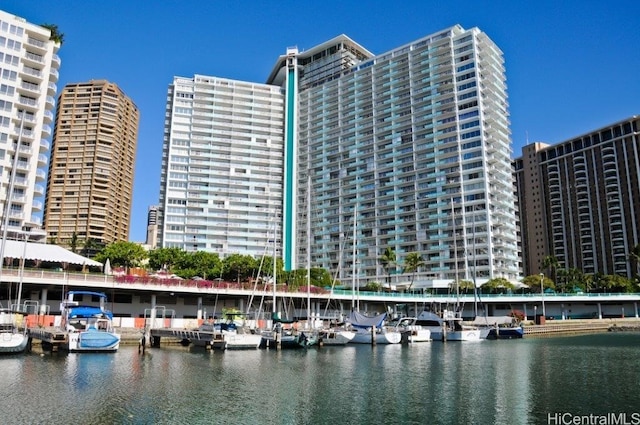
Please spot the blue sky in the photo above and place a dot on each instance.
(572, 66)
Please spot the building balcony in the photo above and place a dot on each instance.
(54, 75)
(31, 73)
(44, 145)
(36, 45)
(52, 89)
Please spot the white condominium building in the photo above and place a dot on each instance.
(28, 75)
(408, 151)
(221, 187)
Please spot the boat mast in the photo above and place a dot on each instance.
(309, 250)
(455, 255)
(8, 201)
(353, 261)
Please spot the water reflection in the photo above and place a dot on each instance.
(496, 382)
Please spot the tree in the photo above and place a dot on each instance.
(388, 260)
(551, 263)
(56, 36)
(498, 284)
(411, 265)
(91, 247)
(165, 258)
(73, 242)
(122, 254)
(373, 287)
(533, 282)
(240, 267)
(634, 258)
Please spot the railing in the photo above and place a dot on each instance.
(99, 280)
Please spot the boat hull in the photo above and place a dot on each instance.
(92, 341)
(363, 336)
(333, 337)
(13, 343)
(506, 333)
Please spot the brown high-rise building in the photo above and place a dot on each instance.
(579, 201)
(90, 181)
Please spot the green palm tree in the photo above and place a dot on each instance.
(411, 265)
(388, 260)
(551, 263)
(634, 257)
(56, 36)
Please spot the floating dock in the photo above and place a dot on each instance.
(208, 339)
(50, 337)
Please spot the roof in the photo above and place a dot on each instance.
(45, 252)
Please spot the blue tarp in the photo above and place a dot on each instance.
(361, 321)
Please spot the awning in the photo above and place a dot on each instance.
(45, 252)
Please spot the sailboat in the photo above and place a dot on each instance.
(368, 329)
(13, 333)
(453, 328)
(280, 336)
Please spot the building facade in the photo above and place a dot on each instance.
(408, 150)
(90, 180)
(29, 67)
(152, 227)
(581, 201)
(221, 178)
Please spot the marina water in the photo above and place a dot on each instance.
(525, 381)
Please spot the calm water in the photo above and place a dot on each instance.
(488, 382)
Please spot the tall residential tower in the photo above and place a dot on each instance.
(28, 74)
(408, 151)
(581, 201)
(90, 181)
(221, 181)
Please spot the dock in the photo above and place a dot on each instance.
(569, 327)
(50, 337)
(207, 339)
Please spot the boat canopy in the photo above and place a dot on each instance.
(361, 321)
(88, 311)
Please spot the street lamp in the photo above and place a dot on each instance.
(544, 314)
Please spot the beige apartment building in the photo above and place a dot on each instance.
(579, 200)
(90, 180)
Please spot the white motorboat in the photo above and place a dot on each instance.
(89, 327)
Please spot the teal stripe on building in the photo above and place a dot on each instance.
(289, 195)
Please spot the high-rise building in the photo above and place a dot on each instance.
(580, 201)
(408, 150)
(152, 227)
(28, 74)
(221, 181)
(90, 181)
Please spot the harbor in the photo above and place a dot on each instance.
(517, 381)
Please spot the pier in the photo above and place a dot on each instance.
(207, 339)
(49, 337)
(568, 327)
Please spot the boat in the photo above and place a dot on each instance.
(13, 333)
(449, 327)
(88, 327)
(227, 335)
(410, 331)
(285, 334)
(336, 336)
(500, 327)
(371, 330)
